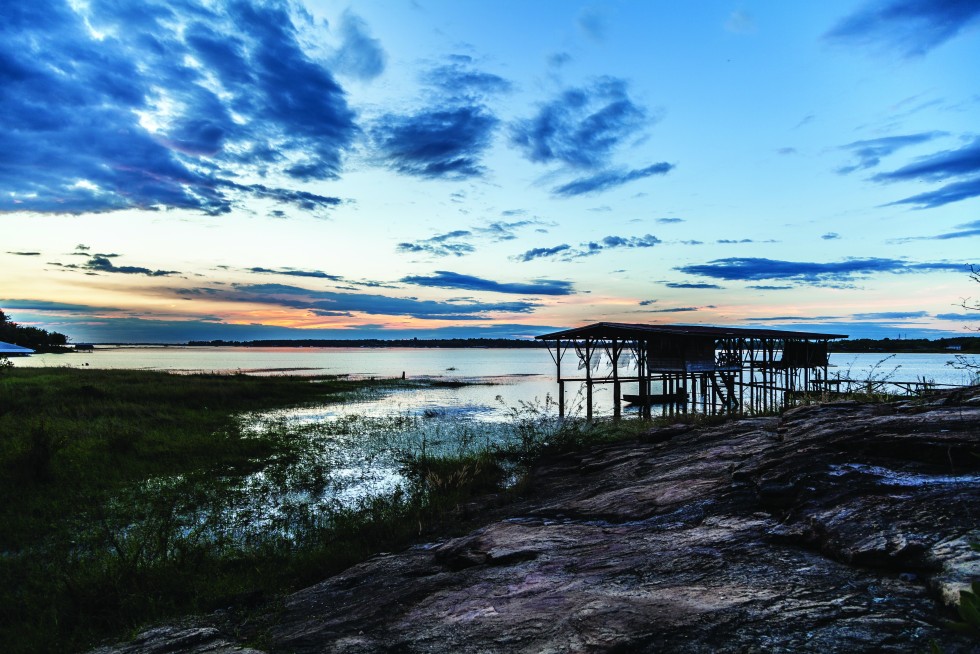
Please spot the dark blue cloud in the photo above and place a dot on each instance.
(690, 285)
(731, 241)
(441, 143)
(591, 248)
(669, 221)
(674, 310)
(447, 138)
(948, 194)
(152, 117)
(102, 263)
(609, 179)
(448, 279)
(958, 316)
(755, 269)
(367, 303)
(830, 236)
(961, 163)
(939, 166)
(360, 55)
(912, 27)
(646, 303)
(293, 272)
(870, 152)
(582, 126)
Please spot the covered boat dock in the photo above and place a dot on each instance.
(692, 367)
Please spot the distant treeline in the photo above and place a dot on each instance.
(32, 337)
(969, 344)
(378, 342)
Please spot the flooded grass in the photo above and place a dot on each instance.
(133, 496)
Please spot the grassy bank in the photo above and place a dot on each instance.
(110, 484)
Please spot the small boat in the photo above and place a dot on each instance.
(655, 398)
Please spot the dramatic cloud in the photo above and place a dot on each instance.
(106, 108)
(293, 272)
(870, 152)
(753, 269)
(359, 55)
(964, 163)
(567, 252)
(912, 27)
(447, 279)
(333, 303)
(581, 127)
(447, 138)
(609, 179)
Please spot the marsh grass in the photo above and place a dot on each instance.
(130, 497)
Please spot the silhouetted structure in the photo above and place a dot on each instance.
(716, 369)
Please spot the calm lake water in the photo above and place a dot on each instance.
(501, 378)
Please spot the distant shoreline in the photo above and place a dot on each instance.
(950, 345)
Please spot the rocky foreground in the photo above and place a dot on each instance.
(836, 528)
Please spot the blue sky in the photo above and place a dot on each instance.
(184, 169)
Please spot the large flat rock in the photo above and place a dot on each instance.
(833, 528)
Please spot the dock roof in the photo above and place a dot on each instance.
(641, 331)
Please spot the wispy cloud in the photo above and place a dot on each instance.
(830, 236)
(150, 117)
(360, 55)
(691, 285)
(609, 179)
(869, 153)
(755, 269)
(891, 315)
(25, 254)
(102, 263)
(963, 162)
(294, 272)
(964, 230)
(448, 279)
(913, 27)
(334, 303)
(590, 248)
(440, 245)
(582, 127)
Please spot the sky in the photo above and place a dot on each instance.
(175, 170)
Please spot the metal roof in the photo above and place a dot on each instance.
(10, 348)
(640, 331)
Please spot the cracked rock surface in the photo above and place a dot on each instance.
(841, 527)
